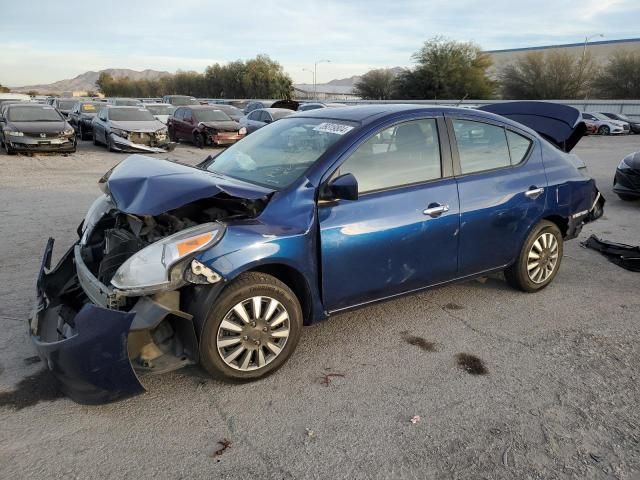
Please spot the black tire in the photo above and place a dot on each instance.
(8, 149)
(95, 139)
(81, 133)
(107, 137)
(245, 287)
(172, 135)
(627, 198)
(198, 140)
(604, 130)
(517, 275)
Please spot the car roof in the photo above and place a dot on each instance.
(157, 105)
(369, 113)
(27, 104)
(273, 110)
(200, 107)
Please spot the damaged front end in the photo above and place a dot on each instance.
(142, 141)
(121, 302)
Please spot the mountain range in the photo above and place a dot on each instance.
(87, 81)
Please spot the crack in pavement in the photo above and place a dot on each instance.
(479, 331)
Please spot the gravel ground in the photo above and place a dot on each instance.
(506, 384)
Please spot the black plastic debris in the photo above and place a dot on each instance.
(625, 256)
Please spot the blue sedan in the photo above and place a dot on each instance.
(223, 263)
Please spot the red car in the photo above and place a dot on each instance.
(204, 125)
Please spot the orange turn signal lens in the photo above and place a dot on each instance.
(194, 243)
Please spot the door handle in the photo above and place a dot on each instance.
(435, 210)
(534, 192)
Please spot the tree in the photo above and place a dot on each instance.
(4, 89)
(447, 69)
(376, 84)
(547, 75)
(620, 78)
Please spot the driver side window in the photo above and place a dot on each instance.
(403, 154)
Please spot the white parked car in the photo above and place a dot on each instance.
(161, 111)
(603, 125)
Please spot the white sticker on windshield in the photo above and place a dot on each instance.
(336, 128)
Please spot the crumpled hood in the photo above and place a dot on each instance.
(560, 124)
(223, 125)
(142, 185)
(137, 126)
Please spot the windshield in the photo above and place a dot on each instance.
(230, 110)
(31, 114)
(126, 102)
(211, 116)
(600, 116)
(278, 154)
(90, 107)
(161, 109)
(130, 115)
(623, 117)
(183, 101)
(66, 104)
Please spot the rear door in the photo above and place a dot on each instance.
(502, 187)
(401, 233)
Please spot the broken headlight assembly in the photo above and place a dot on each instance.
(14, 133)
(67, 132)
(160, 265)
(242, 131)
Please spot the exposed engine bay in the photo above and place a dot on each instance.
(118, 235)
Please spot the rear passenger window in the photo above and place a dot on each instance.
(481, 146)
(518, 146)
(401, 155)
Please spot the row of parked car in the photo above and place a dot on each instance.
(129, 124)
(156, 125)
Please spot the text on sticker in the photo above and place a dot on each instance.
(336, 128)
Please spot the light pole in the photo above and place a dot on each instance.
(586, 40)
(584, 56)
(315, 76)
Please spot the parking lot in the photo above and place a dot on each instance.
(554, 393)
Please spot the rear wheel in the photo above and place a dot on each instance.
(252, 329)
(604, 130)
(539, 259)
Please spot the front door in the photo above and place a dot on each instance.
(401, 233)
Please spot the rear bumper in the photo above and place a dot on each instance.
(578, 219)
(89, 346)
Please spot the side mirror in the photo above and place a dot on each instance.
(344, 187)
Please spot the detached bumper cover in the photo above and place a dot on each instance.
(85, 350)
(124, 144)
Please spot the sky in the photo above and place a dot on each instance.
(42, 41)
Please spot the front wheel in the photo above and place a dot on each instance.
(198, 140)
(252, 329)
(539, 259)
(604, 130)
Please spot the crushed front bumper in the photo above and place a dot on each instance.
(32, 144)
(127, 145)
(89, 346)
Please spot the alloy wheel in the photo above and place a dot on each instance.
(543, 258)
(253, 333)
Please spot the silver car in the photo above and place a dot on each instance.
(130, 129)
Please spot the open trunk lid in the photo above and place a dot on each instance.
(560, 124)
